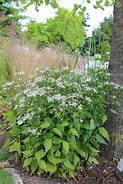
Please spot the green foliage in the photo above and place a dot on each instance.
(5, 71)
(56, 119)
(3, 154)
(37, 3)
(10, 16)
(103, 3)
(100, 41)
(6, 178)
(54, 3)
(65, 27)
(103, 36)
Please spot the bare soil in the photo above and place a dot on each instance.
(104, 173)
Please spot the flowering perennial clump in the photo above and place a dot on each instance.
(56, 119)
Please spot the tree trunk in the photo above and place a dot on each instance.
(115, 121)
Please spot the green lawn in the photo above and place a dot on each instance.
(5, 178)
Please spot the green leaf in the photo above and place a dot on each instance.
(106, 3)
(95, 6)
(82, 153)
(47, 144)
(15, 147)
(104, 119)
(93, 160)
(58, 153)
(34, 166)
(28, 153)
(42, 165)
(113, 111)
(76, 159)
(58, 160)
(104, 133)
(68, 165)
(100, 139)
(14, 131)
(11, 117)
(92, 125)
(47, 2)
(46, 124)
(51, 158)
(27, 162)
(88, 1)
(74, 132)
(57, 131)
(54, 4)
(37, 144)
(54, 160)
(72, 173)
(22, 1)
(75, 115)
(57, 140)
(39, 154)
(85, 126)
(48, 135)
(93, 151)
(65, 124)
(75, 6)
(51, 168)
(86, 137)
(6, 143)
(66, 146)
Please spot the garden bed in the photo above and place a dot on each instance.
(56, 126)
(104, 173)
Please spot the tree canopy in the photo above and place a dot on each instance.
(63, 28)
(10, 15)
(100, 41)
(54, 3)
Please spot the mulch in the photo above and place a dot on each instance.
(104, 173)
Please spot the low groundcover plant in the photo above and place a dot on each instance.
(56, 119)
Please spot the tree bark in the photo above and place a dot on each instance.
(115, 121)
